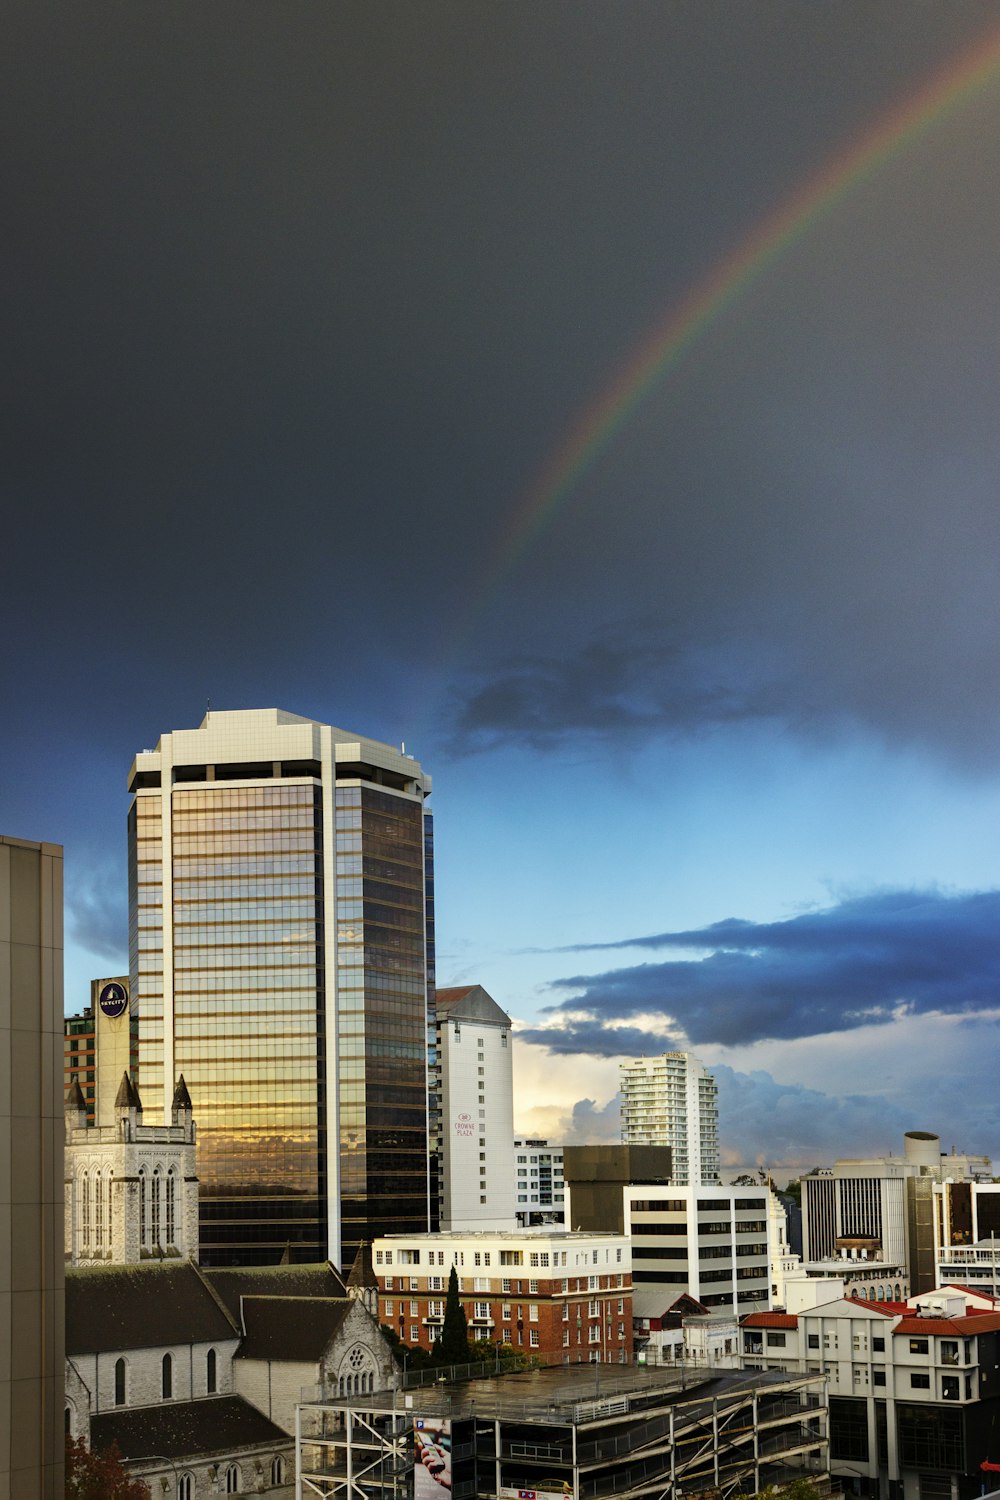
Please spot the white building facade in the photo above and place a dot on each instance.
(540, 1190)
(476, 1091)
(710, 1241)
(672, 1100)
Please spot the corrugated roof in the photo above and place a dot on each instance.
(771, 1320)
(292, 1328)
(186, 1429)
(983, 1322)
(138, 1307)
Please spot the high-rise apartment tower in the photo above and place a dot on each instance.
(279, 935)
(672, 1100)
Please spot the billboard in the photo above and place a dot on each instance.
(431, 1458)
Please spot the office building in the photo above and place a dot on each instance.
(475, 1086)
(595, 1177)
(539, 1187)
(711, 1244)
(31, 1172)
(881, 1208)
(672, 1100)
(279, 959)
(562, 1297)
(102, 1043)
(966, 1229)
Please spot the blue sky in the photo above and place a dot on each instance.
(301, 303)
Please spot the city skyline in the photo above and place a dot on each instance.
(603, 410)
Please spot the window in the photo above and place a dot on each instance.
(388, 1283)
(505, 1284)
(171, 1208)
(920, 1380)
(532, 1312)
(878, 1377)
(414, 1333)
(949, 1351)
(533, 1338)
(533, 1285)
(414, 1309)
(812, 1341)
(119, 1382)
(481, 1310)
(595, 1334)
(390, 1307)
(775, 1340)
(481, 1284)
(505, 1312)
(211, 1372)
(185, 1487)
(918, 1346)
(435, 1283)
(154, 1209)
(878, 1345)
(233, 1480)
(167, 1377)
(277, 1470)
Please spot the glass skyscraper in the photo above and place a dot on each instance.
(280, 928)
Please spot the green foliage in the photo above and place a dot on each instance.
(99, 1475)
(794, 1190)
(799, 1489)
(452, 1348)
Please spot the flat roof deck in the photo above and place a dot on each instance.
(568, 1393)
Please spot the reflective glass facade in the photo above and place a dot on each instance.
(278, 934)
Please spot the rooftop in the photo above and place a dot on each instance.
(572, 1393)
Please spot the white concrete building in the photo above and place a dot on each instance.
(540, 1190)
(913, 1404)
(709, 1241)
(476, 1090)
(672, 1100)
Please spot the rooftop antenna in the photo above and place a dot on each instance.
(208, 708)
(402, 747)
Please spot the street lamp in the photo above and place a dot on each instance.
(157, 1458)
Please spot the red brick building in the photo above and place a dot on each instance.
(565, 1298)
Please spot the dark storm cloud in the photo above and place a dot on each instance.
(632, 680)
(96, 915)
(851, 965)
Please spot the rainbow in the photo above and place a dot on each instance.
(664, 349)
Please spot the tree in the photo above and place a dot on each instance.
(452, 1348)
(99, 1475)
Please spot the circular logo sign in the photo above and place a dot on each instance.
(113, 999)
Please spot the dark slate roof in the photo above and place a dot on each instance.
(182, 1099)
(469, 1002)
(294, 1328)
(136, 1307)
(74, 1095)
(127, 1096)
(185, 1429)
(230, 1284)
(362, 1271)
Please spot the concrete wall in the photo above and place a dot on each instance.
(31, 1171)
